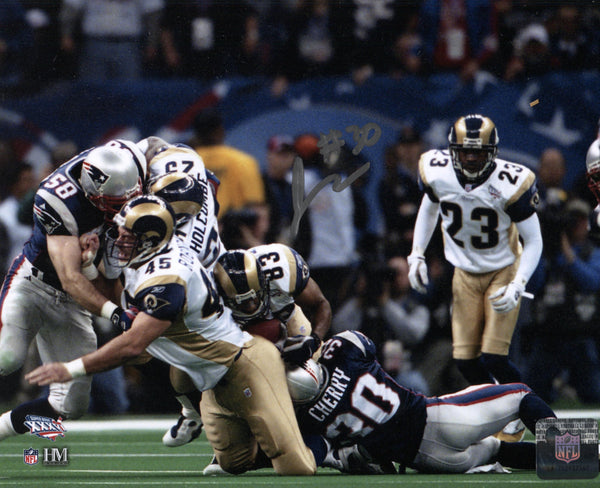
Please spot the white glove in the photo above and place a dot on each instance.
(417, 273)
(507, 297)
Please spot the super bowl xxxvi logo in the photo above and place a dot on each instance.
(567, 447)
(45, 427)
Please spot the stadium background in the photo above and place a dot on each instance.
(556, 110)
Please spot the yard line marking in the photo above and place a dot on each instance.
(108, 455)
(162, 424)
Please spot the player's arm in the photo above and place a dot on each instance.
(116, 352)
(424, 227)
(312, 301)
(522, 212)
(65, 253)
(530, 231)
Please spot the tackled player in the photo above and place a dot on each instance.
(180, 319)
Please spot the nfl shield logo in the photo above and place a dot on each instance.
(567, 447)
(30, 456)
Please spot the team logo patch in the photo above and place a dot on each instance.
(45, 427)
(30, 456)
(98, 176)
(152, 303)
(494, 192)
(47, 220)
(567, 447)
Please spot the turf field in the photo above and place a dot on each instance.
(129, 453)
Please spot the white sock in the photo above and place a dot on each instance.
(6, 426)
(188, 410)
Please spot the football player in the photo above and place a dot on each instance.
(180, 319)
(262, 283)
(370, 420)
(273, 281)
(177, 174)
(486, 204)
(592, 163)
(47, 294)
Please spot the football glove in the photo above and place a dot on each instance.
(507, 297)
(299, 348)
(122, 319)
(417, 273)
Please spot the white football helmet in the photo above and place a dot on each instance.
(592, 163)
(306, 382)
(112, 174)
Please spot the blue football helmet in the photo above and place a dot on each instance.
(473, 147)
(243, 285)
(185, 194)
(143, 228)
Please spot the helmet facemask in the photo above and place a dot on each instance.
(473, 147)
(243, 285)
(143, 228)
(111, 205)
(593, 179)
(248, 306)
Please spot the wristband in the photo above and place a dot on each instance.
(76, 368)
(90, 272)
(108, 309)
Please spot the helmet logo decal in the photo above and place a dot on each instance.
(97, 176)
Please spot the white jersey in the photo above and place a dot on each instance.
(203, 339)
(201, 233)
(478, 223)
(287, 273)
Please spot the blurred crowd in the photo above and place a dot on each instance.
(364, 276)
(45, 41)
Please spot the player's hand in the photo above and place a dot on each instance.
(507, 297)
(89, 243)
(417, 273)
(122, 319)
(49, 373)
(299, 348)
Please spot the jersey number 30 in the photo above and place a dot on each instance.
(373, 404)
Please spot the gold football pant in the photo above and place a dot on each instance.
(476, 327)
(251, 407)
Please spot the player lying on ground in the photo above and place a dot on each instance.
(347, 397)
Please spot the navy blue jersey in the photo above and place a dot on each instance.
(362, 403)
(60, 208)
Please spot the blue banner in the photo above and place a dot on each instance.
(557, 110)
